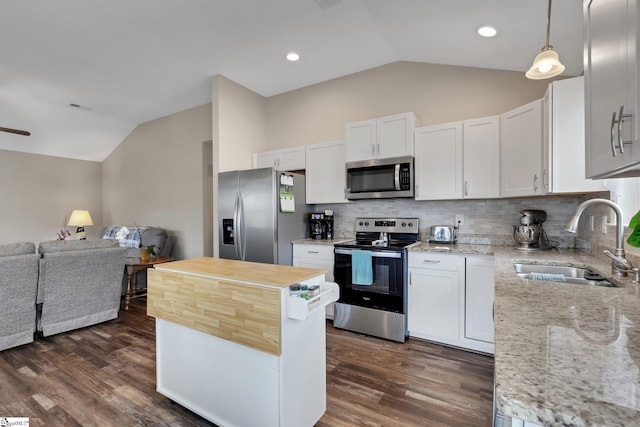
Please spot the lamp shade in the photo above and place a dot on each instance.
(545, 65)
(80, 219)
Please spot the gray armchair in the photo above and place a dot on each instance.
(79, 283)
(18, 287)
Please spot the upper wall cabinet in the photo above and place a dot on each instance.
(458, 160)
(481, 165)
(521, 151)
(325, 174)
(287, 159)
(438, 162)
(384, 137)
(611, 88)
(563, 139)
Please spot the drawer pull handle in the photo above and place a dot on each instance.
(431, 261)
(313, 252)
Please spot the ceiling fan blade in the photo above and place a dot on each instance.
(16, 131)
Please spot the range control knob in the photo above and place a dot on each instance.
(360, 223)
(410, 224)
(366, 223)
(404, 224)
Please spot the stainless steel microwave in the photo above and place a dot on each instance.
(380, 178)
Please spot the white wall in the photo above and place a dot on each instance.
(155, 177)
(38, 193)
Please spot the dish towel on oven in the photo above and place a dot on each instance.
(361, 268)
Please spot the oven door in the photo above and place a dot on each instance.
(389, 284)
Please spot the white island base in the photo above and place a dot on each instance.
(252, 376)
(233, 385)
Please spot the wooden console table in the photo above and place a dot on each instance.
(133, 266)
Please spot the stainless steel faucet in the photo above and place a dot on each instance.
(619, 264)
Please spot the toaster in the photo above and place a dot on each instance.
(442, 234)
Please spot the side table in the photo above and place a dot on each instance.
(134, 265)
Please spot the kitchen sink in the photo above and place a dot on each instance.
(561, 273)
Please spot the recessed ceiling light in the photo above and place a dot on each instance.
(292, 56)
(487, 31)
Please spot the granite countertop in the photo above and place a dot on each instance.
(565, 354)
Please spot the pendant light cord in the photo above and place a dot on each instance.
(548, 24)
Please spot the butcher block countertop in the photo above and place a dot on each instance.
(566, 354)
(234, 300)
(279, 276)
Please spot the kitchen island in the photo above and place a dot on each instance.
(234, 347)
(565, 354)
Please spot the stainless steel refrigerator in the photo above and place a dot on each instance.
(256, 222)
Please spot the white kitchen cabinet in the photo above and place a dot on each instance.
(611, 88)
(450, 299)
(479, 291)
(481, 165)
(563, 139)
(438, 162)
(384, 137)
(325, 173)
(458, 160)
(286, 159)
(521, 151)
(316, 256)
(433, 310)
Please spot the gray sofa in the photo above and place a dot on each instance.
(141, 236)
(18, 288)
(79, 283)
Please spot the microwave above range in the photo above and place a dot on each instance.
(380, 178)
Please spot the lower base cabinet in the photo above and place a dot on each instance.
(450, 299)
(434, 297)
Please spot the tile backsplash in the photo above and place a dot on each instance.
(485, 221)
(490, 221)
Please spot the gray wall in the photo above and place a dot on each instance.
(435, 93)
(155, 177)
(38, 193)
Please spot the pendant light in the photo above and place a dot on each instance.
(547, 63)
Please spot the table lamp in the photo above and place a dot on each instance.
(80, 219)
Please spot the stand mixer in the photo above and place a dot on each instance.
(529, 234)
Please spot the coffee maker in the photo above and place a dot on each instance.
(529, 234)
(321, 225)
(316, 226)
(328, 225)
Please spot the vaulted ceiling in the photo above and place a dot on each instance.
(125, 62)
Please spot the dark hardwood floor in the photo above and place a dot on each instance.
(104, 375)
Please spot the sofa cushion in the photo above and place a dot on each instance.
(20, 248)
(154, 236)
(52, 246)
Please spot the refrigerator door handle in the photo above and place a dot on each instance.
(236, 226)
(240, 228)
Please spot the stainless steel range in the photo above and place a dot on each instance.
(372, 274)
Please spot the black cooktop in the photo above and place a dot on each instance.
(372, 241)
(391, 234)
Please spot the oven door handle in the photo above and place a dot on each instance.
(374, 254)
